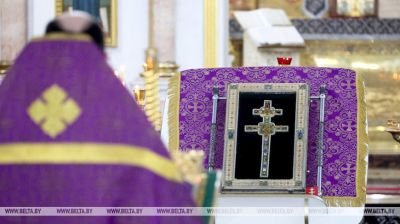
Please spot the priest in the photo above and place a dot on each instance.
(72, 136)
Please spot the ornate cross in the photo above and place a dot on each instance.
(347, 168)
(266, 129)
(195, 105)
(347, 84)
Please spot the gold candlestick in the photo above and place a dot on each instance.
(152, 107)
(139, 94)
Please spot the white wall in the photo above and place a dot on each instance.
(189, 34)
(132, 33)
(132, 38)
(40, 12)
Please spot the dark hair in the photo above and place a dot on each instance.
(93, 30)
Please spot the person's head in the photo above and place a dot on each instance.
(77, 22)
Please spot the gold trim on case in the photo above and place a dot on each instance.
(297, 183)
(173, 112)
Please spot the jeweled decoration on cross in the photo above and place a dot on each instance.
(266, 129)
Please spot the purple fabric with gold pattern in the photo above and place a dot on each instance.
(108, 116)
(340, 134)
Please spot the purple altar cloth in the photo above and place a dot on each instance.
(109, 125)
(341, 127)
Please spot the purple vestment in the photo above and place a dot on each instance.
(119, 161)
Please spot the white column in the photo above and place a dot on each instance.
(164, 29)
(13, 28)
(223, 36)
(189, 34)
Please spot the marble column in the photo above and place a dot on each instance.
(13, 28)
(164, 29)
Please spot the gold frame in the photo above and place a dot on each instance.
(110, 41)
(298, 182)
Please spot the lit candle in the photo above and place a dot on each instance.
(136, 91)
(149, 63)
(139, 95)
(121, 74)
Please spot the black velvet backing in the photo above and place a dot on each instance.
(248, 148)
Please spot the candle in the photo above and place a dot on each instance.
(121, 74)
(139, 95)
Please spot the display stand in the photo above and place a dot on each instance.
(321, 98)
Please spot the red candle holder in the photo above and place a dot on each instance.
(312, 190)
(284, 61)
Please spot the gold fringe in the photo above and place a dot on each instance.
(362, 155)
(174, 93)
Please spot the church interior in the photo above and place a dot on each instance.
(231, 86)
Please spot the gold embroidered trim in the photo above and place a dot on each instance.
(173, 112)
(89, 153)
(63, 36)
(362, 155)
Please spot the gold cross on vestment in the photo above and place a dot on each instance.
(53, 111)
(266, 129)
